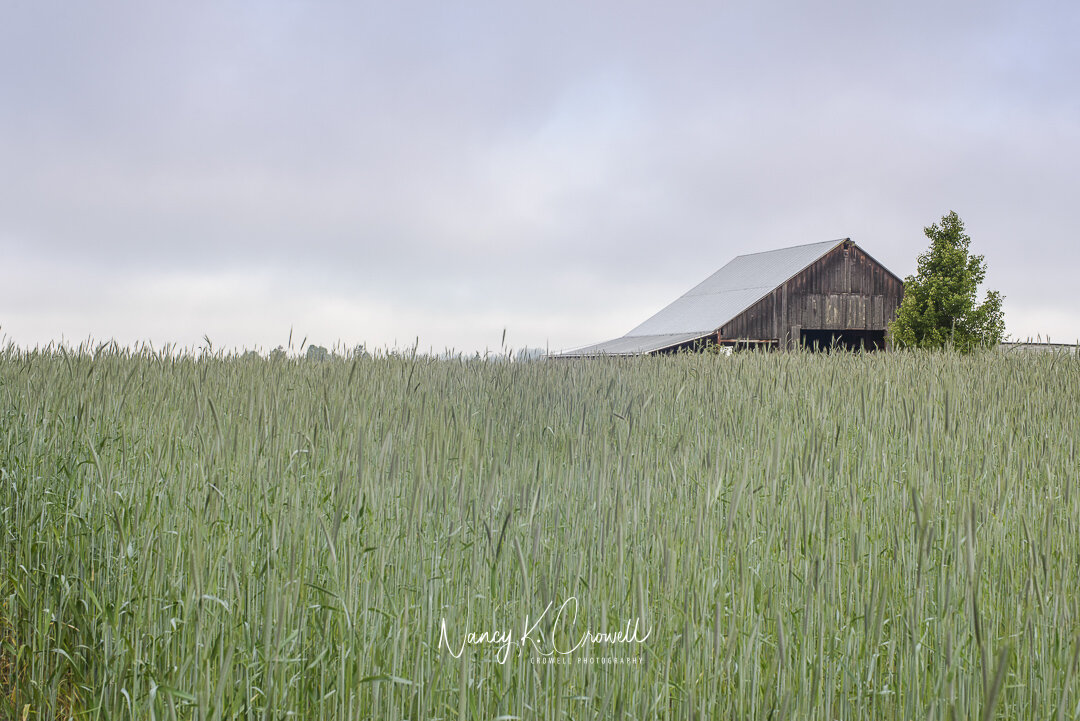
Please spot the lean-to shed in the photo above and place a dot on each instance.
(814, 295)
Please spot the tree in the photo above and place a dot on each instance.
(940, 302)
(317, 353)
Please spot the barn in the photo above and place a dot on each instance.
(818, 295)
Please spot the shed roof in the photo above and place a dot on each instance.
(635, 345)
(714, 301)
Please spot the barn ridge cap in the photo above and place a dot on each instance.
(837, 241)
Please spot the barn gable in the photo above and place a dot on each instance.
(817, 293)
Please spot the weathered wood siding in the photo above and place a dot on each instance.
(845, 289)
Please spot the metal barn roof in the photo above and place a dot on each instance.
(635, 345)
(714, 301)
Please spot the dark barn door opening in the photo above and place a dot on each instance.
(843, 339)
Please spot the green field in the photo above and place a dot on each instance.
(838, 536)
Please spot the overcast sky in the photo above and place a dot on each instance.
(390, 171)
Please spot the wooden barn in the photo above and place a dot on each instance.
(816, 295)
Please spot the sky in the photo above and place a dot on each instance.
(472, 175)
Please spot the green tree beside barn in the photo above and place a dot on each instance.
(940, 305)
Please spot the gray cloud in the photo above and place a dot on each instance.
(377, 172)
